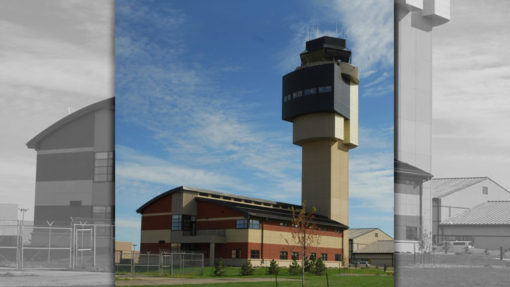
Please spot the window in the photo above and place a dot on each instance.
(313, 255)
(324, 256)
(254, 224)
(245, 223)
(161, 242)
(177, 222)
(255, 254)
(485, 190)
(183, 222)
(102, 212)
(295, 255)
(242, 224)
(338, 257)
(324, 89)
(75, 203)
(294, 95)
(411, 233)
(284, 224)
(323, 228)
(299, 94)
(236, 253)
(284, 255)
(311, 91)
(376, 235)
(104, 166)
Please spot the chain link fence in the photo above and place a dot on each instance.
(81, 246)
(163, 263)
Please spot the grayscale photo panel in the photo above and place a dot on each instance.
(57, 144)
(452, 143)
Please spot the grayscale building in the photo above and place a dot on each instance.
(75, 168)
(414, 22)
(486, 225)
(456, 200)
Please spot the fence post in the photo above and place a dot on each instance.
(17, 245)
(501, 253)
(172, 264)
(94, 245)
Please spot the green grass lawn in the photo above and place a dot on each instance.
(374, 277)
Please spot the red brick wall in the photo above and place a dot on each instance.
(271, 251)
(156, 222)
(225, 250)
(154, 247)
(211, 210)
(162, 205)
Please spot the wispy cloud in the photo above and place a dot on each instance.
(471, 128)
(370, 28)
(202, 132)
(55, 55)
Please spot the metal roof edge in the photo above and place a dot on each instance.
(79, 113)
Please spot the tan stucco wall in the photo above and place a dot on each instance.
(369, 238)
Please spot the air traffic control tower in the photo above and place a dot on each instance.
(320, 98)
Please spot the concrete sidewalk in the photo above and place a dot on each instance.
(47, 278)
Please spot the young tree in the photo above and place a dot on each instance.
(302, 233)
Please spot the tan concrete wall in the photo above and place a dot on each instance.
(278, 237)
(318, 126)
(325, 183)
(351, 125)
(125, 246)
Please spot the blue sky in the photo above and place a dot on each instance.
(198, 100)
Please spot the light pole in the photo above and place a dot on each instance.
(50, 224)
(133, 260)
(23, 210)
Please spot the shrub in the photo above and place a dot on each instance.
(310, 265)
(273, 267)
(247, 268)
(294, 268)
(320, 268)
(219, 268)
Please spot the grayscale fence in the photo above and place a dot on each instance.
(163, 263)
(82, 246)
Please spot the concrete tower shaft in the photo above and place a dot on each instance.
(320, 98)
